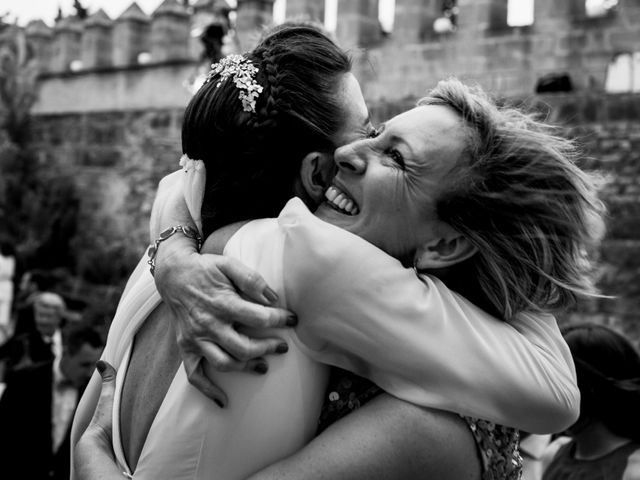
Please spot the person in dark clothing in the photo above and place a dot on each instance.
(605, 441)
(37, 407)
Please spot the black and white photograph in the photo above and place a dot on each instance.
(320, 239)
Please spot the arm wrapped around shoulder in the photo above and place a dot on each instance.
(361, 310)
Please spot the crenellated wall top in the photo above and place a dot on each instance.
(477, 42)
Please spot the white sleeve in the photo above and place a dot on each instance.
(359, 309)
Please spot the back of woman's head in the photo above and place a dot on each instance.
(608, 370)
(253, 157)
(518, 196)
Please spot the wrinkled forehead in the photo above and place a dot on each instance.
(435, 135)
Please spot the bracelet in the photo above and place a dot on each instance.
(185, 230)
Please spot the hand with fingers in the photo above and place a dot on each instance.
(93, 454)
(204, 295)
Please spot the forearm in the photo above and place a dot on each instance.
(203, 293)
(169, 206)
(361, 310)
(434, 349)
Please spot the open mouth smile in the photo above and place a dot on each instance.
(340, 201)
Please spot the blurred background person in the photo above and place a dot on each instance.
(32, 284)
(7, 272)
(39, 338)
(604, 444)
(38, 405)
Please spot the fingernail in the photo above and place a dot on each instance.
(261, 368)
(292, 320)
(101, 366)
(219, 403)
(282, 348)
(270, 295)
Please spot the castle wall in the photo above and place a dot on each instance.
(149, 87)
(506, 60)
(406, 62)
(116, 127)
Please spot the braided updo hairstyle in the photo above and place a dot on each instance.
(252, 159)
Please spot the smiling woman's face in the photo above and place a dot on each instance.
(386, 187)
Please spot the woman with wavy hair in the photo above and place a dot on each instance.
(359, 308)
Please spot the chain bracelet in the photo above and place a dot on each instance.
(184, 229)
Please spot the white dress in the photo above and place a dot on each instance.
(358, 309)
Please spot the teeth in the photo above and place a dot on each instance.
(331, 193)
(341, 201)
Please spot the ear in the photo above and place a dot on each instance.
(316, 172)
(444, 251)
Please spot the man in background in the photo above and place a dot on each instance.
(37, 407)
(37, 337)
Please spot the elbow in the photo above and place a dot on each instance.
(561, 414)
(571, 410)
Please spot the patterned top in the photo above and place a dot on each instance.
(497, 445)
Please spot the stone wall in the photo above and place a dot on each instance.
(608, 126)
(116, 159)
(83, 57)
(114, 123)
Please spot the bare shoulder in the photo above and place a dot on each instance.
(431, 443)
(387, 439)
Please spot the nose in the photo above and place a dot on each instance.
(348, 158)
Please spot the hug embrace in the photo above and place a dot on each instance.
(419, 263)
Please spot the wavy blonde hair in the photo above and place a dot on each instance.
(519, 197)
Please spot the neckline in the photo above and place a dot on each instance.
(118, 448)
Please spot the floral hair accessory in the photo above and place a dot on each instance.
(243, 72)
(187, 164)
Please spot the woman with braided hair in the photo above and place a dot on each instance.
(401, 337)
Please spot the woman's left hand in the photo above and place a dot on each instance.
(93, 454)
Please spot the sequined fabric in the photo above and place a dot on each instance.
(497, 445)
(345, 393)
(498, 449)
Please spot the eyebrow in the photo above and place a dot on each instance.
(396, 139)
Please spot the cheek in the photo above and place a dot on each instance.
(386, 188)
